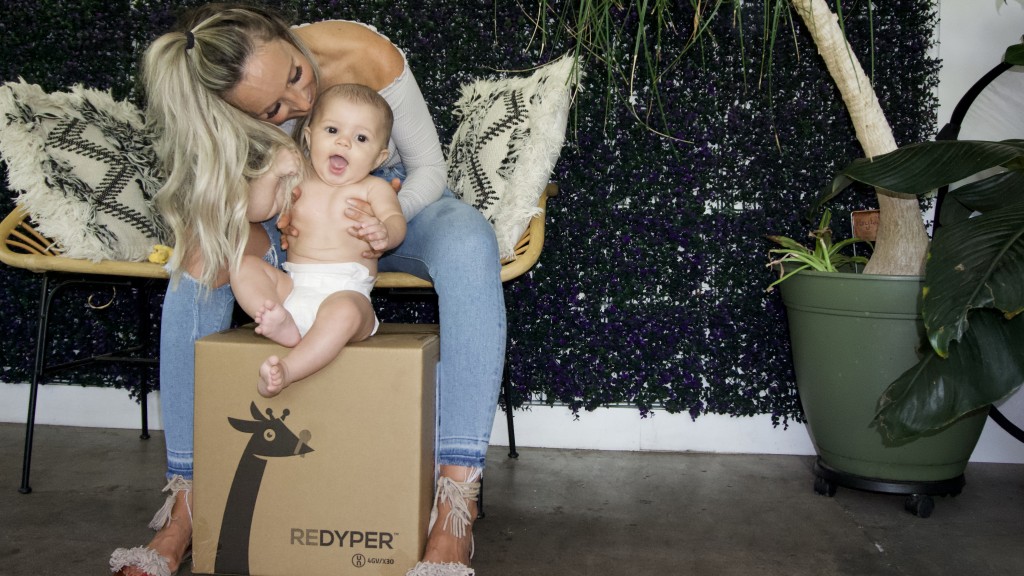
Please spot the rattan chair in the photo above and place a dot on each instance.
(24, 247)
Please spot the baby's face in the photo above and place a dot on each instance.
(345, 142)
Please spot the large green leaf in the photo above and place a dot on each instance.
(984, 367)
(923, 167)
(992, 192)
(952, 211)
(975, 263)
(1014, 55)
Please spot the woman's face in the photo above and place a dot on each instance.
(277, 84)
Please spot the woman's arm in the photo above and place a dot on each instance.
(416, 144)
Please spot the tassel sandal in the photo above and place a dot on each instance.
(457, 495)
(147, 559)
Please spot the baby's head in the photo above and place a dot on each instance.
(347, 133)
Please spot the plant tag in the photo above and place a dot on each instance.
(865, 224)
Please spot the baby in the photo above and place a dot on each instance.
(323, 301)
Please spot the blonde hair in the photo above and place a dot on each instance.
(209, 150)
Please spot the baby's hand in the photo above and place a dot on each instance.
(366, 222)
(286, 162)
(284, 221)
(374, 233)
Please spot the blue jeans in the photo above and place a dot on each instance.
(451, 244)
(188, 315)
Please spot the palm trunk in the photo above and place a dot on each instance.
(902, 242)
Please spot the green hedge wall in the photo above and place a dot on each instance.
(651, 288)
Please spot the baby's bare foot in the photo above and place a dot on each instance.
(273, 377)
(276, 323)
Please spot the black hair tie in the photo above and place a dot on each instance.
(190, 40)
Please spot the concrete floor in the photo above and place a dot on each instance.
(560, 512)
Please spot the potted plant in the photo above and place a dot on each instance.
(935, 395)
(969, 297)
(898, 259)
(825, 256)
(973, 288)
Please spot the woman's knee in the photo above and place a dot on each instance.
(462, 234)
(191, 311)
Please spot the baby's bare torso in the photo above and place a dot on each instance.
(319, 216)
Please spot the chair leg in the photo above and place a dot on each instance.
(506, 391)
(142, 312)
(26, 463)
(143, 395)
(37, 371)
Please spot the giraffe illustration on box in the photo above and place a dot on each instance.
(270, 438)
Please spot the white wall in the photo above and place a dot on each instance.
(972, 38)
(539, 426)
(972, 34)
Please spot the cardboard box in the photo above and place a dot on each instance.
(334, 476)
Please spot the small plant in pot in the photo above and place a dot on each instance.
(825, 256)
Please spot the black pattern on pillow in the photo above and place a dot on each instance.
(509, 137)
(83, 168)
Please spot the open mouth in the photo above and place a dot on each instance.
(337, 164)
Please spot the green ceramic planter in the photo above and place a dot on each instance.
(852, 335)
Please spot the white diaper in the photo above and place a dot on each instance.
(313, 283)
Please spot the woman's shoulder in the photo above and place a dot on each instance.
(349, 51)
(345, 27)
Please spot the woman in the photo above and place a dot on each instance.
(216, 90)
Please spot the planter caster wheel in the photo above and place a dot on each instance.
(824, 487)
(920, 505)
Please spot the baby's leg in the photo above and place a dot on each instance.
(343, 317)
(256, 282)
(276, 323)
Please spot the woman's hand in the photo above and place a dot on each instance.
(368, 227)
